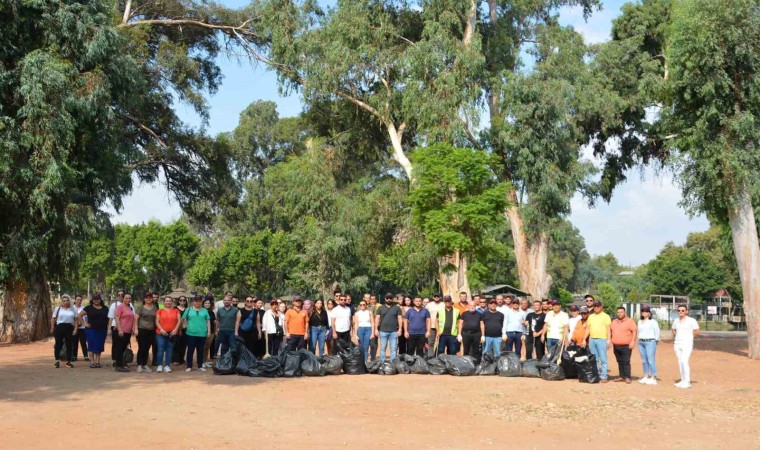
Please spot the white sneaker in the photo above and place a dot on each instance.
(652, 380)
(159, 369)
(644, 380)
(139, 369)
(188, 369)
(167, 369)
(683, 385)
(147, 369)
(202, 369)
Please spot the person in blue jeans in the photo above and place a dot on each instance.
(364, 328)
(649, 337)
(448, 326)
(318, 325)
(168, 322)
(388, 325)
(226, 323)
(491, 326)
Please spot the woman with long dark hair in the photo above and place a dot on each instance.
(125, 326)
(249, 336)
(208, 303)
(168, 324)
(318, 324)
(648, 334)
(146, 331)
(63, 326)
(197, 329)
(273, 325)
(328, 335)
(95, 328)
(180, 344)
(406, 305)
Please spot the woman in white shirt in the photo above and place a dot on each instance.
(364, 326)
(649, 336)
(273, 323)
(63, 326)
(328, 336)
(685, 329)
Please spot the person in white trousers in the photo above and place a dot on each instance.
(685, 329)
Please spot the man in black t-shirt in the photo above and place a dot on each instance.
(491, 325)
(469, 331)
(534, 323)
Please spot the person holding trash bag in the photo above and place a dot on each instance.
(470, 332)
(388, 324)
(198, 327)
(685, 329)
(125, 326)
(448, 320)
(296, 326)
(96, 328)
(649, 337)
(417, 328)
(623, 337)
(491, 327)
(364, 328)
(63, 326)
(598, 337)
(168, 322)
(534, 339)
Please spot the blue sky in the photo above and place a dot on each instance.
(642, 216)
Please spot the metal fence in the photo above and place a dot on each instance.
(711, 315)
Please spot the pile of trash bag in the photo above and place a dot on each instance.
(461, 366)
(387, 368)
(436, 366)
(568, 360)
(509, 365)
(352, 356)
(530, 369)
(586, 369)
(331, 365)
(488, 365)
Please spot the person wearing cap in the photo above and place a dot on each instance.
(388, 323)
(575, 317)
(581, 327)
(685, 329)
(198, 328)
(598, 337)
(491, 328)
(556, 325)
(63, 327)
(448, 319)
(623, 337)
(469, 331)
(296, 326)
(534, 339)
(513, 328)
(433, 308)
(649, 337)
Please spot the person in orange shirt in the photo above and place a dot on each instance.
(296, 331)
(580, 331)
(623, 337)
(462, 305)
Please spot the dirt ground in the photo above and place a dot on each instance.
(43, 407)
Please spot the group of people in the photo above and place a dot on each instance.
(178, 333)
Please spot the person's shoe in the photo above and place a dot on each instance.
(146, 369)
(189, 369)
(139, 369)
(618, 380)
(202, 369)
(605, 380)
(644, 380)
(69, 365)
(652, 381)
(98, 366)
(167, 369)
(159, 369)
(87, 359)
(122, 369)
(683, 385)
(57, 364)
(627, 381)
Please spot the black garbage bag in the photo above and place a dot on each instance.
(225, 365)
(420, 366)
(403, 364)
(268, 368)
(488, 365)
(586, 369)
(353, 358)
(550, 358)
(245, 361)
(530, 369)
(509, 365)
(291, 364)
(553, 372)
(387, 368)
(568, 360)
(310, 365)
(373, 366)
(460, 366)
(436, 366)
(332, 365)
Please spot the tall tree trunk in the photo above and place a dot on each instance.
(25, 310)
(741, 218)
(398, 151)
(531, 255)
(452, 274)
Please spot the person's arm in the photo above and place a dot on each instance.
(237, 322)
(178, 326)
(158, 323)
(372, 321)
(258, 325)
(53, 319)
(306, 328)
(459, 329)
(427, 326)
(609, 335)
(633, 338)
(332, 323)
(406, 328)
(587, 333)
(377, 324)
(208, 324)
(135, 329)
(117, 316)
(400, 324)
(504, 324)
(482, 330)
(80, 316)
(287, 319)
(696, 330)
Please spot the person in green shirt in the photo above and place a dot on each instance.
(198, 323)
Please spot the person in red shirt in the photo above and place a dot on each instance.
(623, 337)
(167, 327)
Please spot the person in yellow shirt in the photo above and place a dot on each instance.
(598, 337)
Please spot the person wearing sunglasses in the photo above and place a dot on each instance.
(63, 327)
(250, 336)
(598, 337)
(685, 329)
(364, 328)
(649, 337)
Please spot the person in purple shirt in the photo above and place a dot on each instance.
(417, 326)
